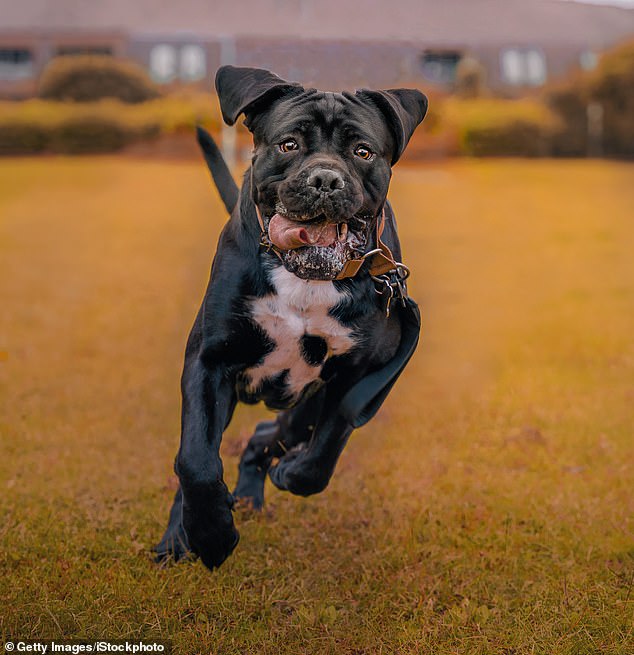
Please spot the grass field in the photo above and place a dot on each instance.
(488, 509)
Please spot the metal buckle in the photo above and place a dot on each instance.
(376, 251)
(392, 284)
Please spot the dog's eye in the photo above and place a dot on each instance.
(288, 145)
(363, 152)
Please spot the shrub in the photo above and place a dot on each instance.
(611, 85)
(22, 137)
(86, 78)
(470, 78)
(517, 138)
(89, 134)
(106, 126)
(181, 112)
(570, 101)
(488, 127)
(35, 125)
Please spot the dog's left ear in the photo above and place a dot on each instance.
(247, 90)
(404, 110)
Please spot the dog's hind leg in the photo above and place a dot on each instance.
(273, 439)
(263, 446)
(308, 470)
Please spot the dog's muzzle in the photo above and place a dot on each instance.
(315, 226)
(315, 248)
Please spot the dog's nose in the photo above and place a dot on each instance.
(325, 180)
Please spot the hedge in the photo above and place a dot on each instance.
(22, 137)
(569, 101)
(479, 127)
(91, 134)
(86, 78)
(106, 126)
(488, 127)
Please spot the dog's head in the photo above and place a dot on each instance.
(322, 162)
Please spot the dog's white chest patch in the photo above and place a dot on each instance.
(297, 312)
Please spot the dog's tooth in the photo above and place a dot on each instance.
(343, 231)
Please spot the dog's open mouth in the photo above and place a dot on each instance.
(288, 234)
(316, 248)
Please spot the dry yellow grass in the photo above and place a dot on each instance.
(488, 509)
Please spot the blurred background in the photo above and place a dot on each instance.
(506, 77)
(488, 508)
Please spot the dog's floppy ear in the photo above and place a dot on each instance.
(243, 90)
(404, 110)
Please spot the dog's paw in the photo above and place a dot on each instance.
(208, 524)
(295, 473)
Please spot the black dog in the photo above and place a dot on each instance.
(306, 307)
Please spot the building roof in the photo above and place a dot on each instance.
(450, 22)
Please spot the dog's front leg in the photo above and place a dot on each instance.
(208, 403)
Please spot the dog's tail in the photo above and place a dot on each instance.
(220, 173)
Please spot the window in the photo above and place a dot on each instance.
(163, 63)
(588, 60)
(84, 50)
(512, 67)
(440, 66)
(524, 67)
(15, 64)
(535, 67)
(193, 65)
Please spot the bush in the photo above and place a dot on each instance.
(98, 132)
(489, 127)
(22, 137)
(181, 112)
(570, 101)
(470, 78)
(611, 85)
(516, 138)
(86, 78)
(89, 134)
(106, 126)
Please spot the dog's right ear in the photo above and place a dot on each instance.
(247, 90)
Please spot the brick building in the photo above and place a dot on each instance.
(330, 43)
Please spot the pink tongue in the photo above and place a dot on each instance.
(287, 234)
